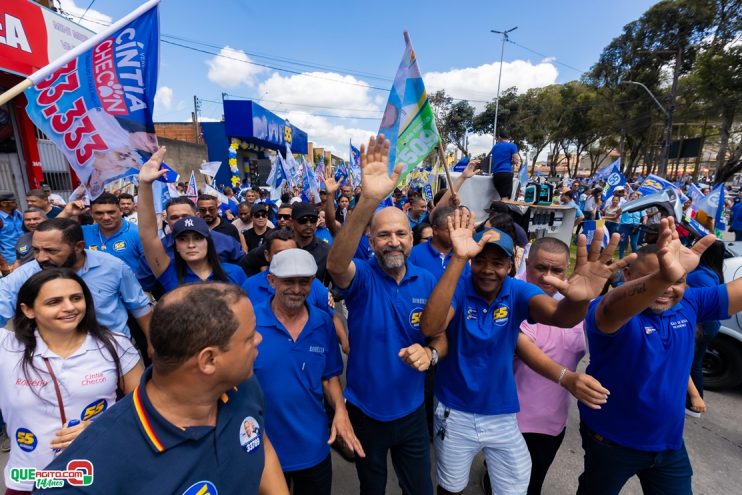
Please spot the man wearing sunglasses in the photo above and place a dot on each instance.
(304, 217)
(284, 217)
(255, 236)
(208, 209)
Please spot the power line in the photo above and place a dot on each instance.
(556, 61)
(86, 10)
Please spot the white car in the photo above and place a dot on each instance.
(722, 364)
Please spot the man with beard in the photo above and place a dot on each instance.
(128, 208)
(284, 217)
(58, 243)
(32, 217)
(481, 316)
(208, 209)
(299, 373)
(385, 297)
(641, 340)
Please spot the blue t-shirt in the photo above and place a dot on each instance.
(735, 217)
(414, 223)
(10, 232)
(631, 218)
(426, 256)
(646, 365)
(502, 156)
(384, 317)
(324, 235)
(259, 291)
(704, 276)
(133, 449)
(291, 374)
(169, 278)
(477, 374)
(578, 211)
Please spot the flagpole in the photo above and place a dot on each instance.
(75, 52)
(442, 156)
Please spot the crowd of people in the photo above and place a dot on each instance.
(203, 349)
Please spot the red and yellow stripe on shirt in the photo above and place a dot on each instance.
(145, 421)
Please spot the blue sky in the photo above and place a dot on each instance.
(343, 50)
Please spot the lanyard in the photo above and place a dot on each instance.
(57, 390)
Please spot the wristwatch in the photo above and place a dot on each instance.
(433, 356)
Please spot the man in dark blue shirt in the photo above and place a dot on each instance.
(435, 254)
(195, 424)
(505, 160)
(385, 297)
(641, 337)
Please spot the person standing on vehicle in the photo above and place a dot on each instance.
(505, 160)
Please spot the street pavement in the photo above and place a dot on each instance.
(714, 444)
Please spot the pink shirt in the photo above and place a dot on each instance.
(544, 404)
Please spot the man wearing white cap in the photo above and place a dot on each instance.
(299, 362)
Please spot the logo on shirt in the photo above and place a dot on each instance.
(93, 409)
(23, 249)
(317, 348)
(79, 472)
(26, 439)
(201, 488)
(471, 313)
(415, 315)
(249, 434)
(679, 324)
(500, 315)
(93, 248)
(93, 379)
(649, 330)
(119, 246)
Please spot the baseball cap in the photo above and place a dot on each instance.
(7, 196)
(293, 263)
(257, 207)
(303, 209)
(619, 188)
(191, 224)
(499, 239)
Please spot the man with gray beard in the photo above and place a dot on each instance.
(385, 297)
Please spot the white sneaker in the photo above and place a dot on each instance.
(692, 413)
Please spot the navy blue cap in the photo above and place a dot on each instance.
(191, 224)
(499, 239)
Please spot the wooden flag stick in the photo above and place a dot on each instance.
(442, 156)
(15, 91)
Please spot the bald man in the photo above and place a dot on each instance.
(385, 297)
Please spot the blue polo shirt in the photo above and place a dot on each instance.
(364, 251)
(324, 235)
(291, 374)
(477, 374)
(259, 291)
(11, 231)
(426, 256)
(169, 278)
(384, 317)
(227, 247)
(133, 449)
(646, 365)
(414, 223)
(502, 156)
(735, 217)
(114, 288)
(123, 244)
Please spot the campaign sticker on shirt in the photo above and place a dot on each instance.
(471, 313)
(119, 246)
(249, 434)
(500, 315)
(23, 249)
(26, 439)
(201, 488)
(415, 315)
(649, 330)
(93, 248)
(93, 409)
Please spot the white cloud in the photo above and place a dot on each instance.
(479, 143)
(94, 20)
(164, 98)
(480, 83)
(327, 134)
(346, 97)
(232, 68)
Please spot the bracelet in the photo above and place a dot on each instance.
(561, 375)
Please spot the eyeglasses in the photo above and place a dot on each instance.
(284, 217)
(307, 219)
(260, 214)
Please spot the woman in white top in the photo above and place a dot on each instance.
(59, 365)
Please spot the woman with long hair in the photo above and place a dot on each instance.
(59, 370)
(194, 258)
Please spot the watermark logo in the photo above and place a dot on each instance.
(79, 472)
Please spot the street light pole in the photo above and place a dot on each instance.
(505, 38)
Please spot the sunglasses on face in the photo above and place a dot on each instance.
(284, 217)
(306, 220)
(260, 214)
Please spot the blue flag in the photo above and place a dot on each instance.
(310, 183)
(354, 167)
(654, 184)
(461, 164)
(604, 172)
(695, 194)
(710, 210)
(96, 103)
(614, 179)
(523, 175)
(341, 173)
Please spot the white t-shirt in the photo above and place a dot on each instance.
(87, 380)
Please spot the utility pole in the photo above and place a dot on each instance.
(196, 109)
(505, 38)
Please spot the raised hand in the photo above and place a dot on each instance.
(471, 169)
(675, 259)
(376, 184)
(592, 270)
(150, 171)
(331, 185)
(460, 227)
(74, 208)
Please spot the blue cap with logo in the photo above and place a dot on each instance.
(498, 238)
(191, 224)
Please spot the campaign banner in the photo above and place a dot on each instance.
(654, 184)
(97, 107)
(614, 179)
(408, 121)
